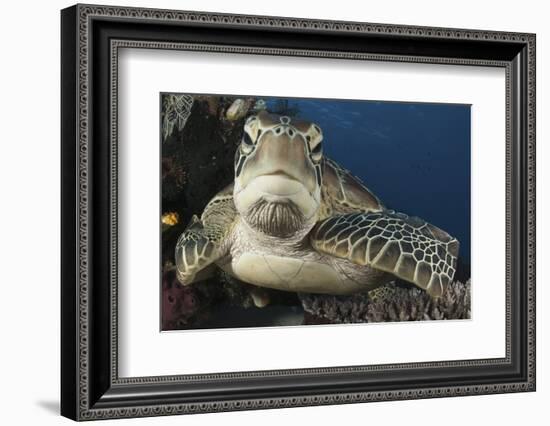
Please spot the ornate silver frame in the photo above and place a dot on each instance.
(91, 388)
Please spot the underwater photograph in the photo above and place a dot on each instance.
(305, 211)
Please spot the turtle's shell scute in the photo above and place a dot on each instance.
(344, 193)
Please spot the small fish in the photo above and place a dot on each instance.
(260, 105)
(169, 219)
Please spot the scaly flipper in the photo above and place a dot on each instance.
(203, 241)
(194, 251)
(407, 247)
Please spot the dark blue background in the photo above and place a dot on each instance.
(414, 156)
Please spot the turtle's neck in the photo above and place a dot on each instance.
(276, 219)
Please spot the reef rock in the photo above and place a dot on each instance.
(395, 303)
(237, 110)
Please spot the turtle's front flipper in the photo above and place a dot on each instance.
(194, 252)
(204, 240)
(407, 247)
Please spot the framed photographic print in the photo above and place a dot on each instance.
(264, 212)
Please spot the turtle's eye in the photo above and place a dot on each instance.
(314, 137)
(317, 152)
(246, 144)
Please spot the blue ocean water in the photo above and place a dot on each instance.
(414, 156)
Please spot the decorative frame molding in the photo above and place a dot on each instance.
(91, 37)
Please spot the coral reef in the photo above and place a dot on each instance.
(176, 111)
(238, 109)
(198, 148)
(397, 302)
(179, 304)
(216, 301)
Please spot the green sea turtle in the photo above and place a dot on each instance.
(295, 220)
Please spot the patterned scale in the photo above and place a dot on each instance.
(407, 247)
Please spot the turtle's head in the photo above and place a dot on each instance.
(278, 174)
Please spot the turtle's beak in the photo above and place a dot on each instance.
(279, 171)
(281, 156)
